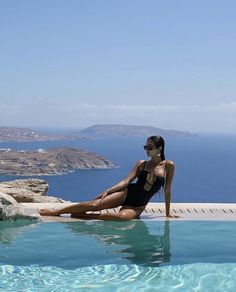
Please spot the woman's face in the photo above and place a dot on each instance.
(151, 149)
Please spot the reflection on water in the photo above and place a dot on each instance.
(90, 244)
(84, 243)
(132, 240)
(10, 230)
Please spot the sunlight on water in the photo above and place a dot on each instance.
(116, 256)
(193, 277)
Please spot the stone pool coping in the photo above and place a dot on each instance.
(156, 211)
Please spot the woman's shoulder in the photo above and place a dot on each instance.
(140, 164)
(170, 164)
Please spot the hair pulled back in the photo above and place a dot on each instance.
(159, 141)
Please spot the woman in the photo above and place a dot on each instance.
(132, 196)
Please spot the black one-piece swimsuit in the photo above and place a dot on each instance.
(136, 194)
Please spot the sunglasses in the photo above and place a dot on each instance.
(148, 147)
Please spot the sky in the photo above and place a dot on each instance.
(170, 64)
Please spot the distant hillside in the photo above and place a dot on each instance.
(10, 134)
(52, 161)
(14, 134)
(128, 130)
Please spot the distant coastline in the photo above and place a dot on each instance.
(14, 134)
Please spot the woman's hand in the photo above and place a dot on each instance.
(102, 195)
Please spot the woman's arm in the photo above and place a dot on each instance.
(170, 168)
(124, 183)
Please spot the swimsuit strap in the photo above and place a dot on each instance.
(144, 164)
(143, 167)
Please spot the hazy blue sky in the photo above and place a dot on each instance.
(75, 63)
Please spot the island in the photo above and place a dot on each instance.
(130, 130)
(53, 161)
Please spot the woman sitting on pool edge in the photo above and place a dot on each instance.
(131, 196)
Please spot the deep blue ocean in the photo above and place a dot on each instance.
(205, 167)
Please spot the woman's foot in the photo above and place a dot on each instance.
(49, 212)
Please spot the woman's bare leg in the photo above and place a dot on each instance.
(126, 213)
(111, 201)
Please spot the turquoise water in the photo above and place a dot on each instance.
(116, 256)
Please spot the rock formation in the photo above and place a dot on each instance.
(13, 193)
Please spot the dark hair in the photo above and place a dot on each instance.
(159, 141)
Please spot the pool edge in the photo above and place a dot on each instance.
(156, 211)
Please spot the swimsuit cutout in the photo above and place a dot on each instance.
(137, 195)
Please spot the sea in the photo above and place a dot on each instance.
(204, 167)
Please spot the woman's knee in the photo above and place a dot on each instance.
(125, 215)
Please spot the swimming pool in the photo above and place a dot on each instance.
(141, 255)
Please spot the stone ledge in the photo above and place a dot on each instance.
(156, 211)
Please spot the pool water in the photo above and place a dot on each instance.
(116, 256)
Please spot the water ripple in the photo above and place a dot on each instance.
(193, 277)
